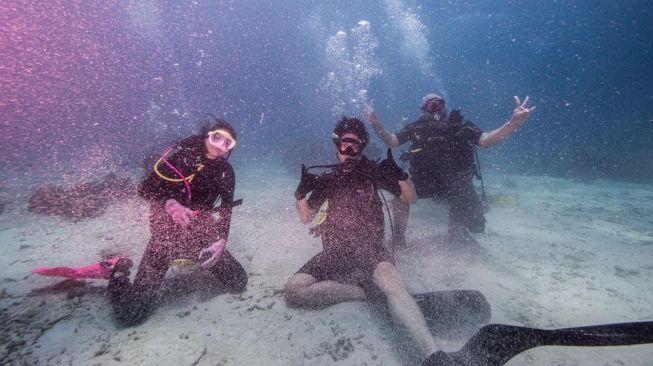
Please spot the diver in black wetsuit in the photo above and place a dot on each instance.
(183, 192)
(354, 260)
(442, 161)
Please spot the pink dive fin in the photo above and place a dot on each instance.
(95, 270)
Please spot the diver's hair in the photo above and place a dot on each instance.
(352, 125)
(213, 123)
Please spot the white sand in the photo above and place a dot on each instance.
(567, 254)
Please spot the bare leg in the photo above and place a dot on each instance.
(305, 290)
(403, 307)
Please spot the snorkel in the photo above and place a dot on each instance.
(353, 150)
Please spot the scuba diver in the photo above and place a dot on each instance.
(354, 265)
(441, 160)
(183, 191)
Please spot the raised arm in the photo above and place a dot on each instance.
(519, 116)
(386, 136)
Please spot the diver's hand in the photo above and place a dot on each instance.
(520, 114)
(215, 250)
(180, 214)
(307, 184)
(368, 111)
(389, 168)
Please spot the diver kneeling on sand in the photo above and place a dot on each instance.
(442, 165)
(181, 221)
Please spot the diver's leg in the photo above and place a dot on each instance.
(303, 289)
(455, 195)
(465, 210)
(132, 304)
(473, 207)
(230, 273)
(119, 286)
(314, 284)
(403, 307)
(400, 214)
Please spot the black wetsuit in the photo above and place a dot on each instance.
(442, 165)
(170, 241)
(353, 232)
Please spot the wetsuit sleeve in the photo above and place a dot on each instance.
(317, 198)
(389, 184)
(470, 132)
(227, 186)
(403, 135)
(372, 171)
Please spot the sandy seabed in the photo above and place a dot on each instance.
(556, 253)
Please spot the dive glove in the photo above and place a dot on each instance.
(307, 184)
(390, 169)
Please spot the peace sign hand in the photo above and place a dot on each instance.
(520, 114)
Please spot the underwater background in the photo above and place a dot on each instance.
(119, 78)
(94, 88)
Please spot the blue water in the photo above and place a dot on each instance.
(114, 76)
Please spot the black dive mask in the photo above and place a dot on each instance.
(354, 149)
(349, 151)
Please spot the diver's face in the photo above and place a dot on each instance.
(218, 144)
(349, 147)
(213, 151)
(434, 105)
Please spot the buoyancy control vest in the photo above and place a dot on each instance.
(442, 147)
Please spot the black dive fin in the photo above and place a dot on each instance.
(224, 205)
(454, 311)
(619, 334)
(496, 344)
